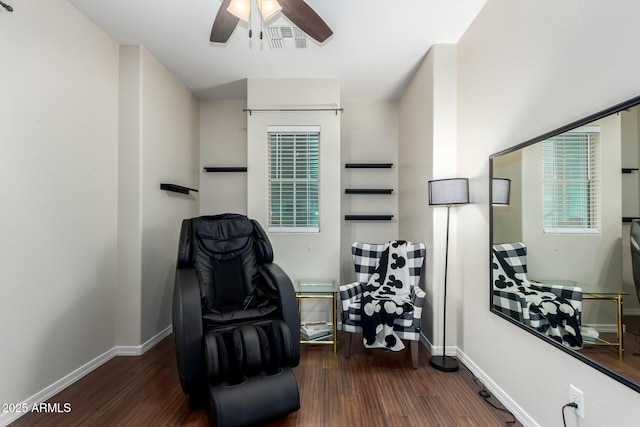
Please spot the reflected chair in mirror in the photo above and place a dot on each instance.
(235, 321)
(552, 309)
(366, 259)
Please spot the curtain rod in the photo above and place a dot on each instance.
(281, 110)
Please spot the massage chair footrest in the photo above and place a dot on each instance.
(258, 400)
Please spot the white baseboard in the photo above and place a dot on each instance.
(7, 418)
(425, 342)
(632, 311)
(137, 350)
(603, 327)
(499, 394)
(436, 350)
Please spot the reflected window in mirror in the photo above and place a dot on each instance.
(571, 184)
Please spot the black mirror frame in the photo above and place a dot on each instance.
(596, 116)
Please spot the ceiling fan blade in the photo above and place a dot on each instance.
(224, 24)
(305, 18)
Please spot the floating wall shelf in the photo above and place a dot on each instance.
(368, 190)
(225, 168)
(629, 170)
(368, 165)
(368, 217)
(177, 188)
(629, 218)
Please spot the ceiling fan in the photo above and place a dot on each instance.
(6, 6)
(297, 11)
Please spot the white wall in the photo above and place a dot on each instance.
(427, 150)
(128, 295)
(223, 142)
(170, 152)
(517, 82)
(301, 255)
(58, 203)
(159, 127)
(369, 134)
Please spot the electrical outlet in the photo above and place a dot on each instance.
(576, 396)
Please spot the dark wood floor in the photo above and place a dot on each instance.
(372, 388)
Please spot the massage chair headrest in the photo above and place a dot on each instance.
(223, 237)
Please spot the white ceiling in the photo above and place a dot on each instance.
(374, 51)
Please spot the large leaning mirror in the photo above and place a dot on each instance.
(561, 244)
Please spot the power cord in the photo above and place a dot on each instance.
(486, 395)
(568, 405)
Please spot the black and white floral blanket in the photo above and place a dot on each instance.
(386, 297)
(562, 320)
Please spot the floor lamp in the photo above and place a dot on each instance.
(447, 192)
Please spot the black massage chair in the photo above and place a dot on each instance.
(235, 321)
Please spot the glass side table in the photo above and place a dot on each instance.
(318, 289)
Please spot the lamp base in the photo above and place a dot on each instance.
(444, 363)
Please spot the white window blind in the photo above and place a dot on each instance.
(293, 178)
(571, 182)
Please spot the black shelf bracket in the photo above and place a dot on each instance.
(177, 188)
(368, 217)
(629, 170)
(368, 191)
(225, 168)
(368, 165)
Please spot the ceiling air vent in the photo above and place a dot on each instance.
(286, 37)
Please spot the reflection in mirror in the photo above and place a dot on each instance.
(560, 251)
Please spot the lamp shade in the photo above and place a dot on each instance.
(240, 8)
(500, 191)
(452, 191)
(268, 8)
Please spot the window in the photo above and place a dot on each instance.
(293, 174)
(571, 182)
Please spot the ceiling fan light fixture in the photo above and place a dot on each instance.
(268, 8)
(240, 9)
(297, 12)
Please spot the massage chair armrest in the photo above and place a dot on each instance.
(188, 329)
(277, 279)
